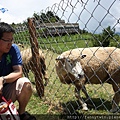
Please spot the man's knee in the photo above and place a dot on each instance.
(27, 87)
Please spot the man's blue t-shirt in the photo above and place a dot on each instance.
(13, 57)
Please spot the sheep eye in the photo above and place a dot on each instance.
(68, 60)
(71, 63)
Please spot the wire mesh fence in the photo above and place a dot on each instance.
(69, 25)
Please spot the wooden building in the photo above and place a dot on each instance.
(58, 28)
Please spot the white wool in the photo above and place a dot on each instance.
(100, 64)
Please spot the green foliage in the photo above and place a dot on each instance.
(104, 38)
(60, 44)
(64, 93)
(46, 17)
(63, 43)
(22, 37)
(115, 41)
(36, 16)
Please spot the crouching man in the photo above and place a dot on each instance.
(12, 84)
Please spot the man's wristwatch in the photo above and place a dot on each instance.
(4, 81)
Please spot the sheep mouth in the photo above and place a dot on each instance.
(79, 76)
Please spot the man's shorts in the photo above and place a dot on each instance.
(12, 90)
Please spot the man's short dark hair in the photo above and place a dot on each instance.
(5, 27)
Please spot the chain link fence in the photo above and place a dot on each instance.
(76, 24)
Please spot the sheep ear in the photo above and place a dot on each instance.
(60, 57)
(83, 56)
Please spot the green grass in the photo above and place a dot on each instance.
(61, 47)
(60, 44)
(59, 98)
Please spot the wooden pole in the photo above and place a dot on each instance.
(35, 58)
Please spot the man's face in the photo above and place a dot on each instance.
(6, 42)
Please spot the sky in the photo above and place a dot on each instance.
(19, 10)
(93, 15)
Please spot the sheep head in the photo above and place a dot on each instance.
(72, 65)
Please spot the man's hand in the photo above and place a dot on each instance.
(1, 84)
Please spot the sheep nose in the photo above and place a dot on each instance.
(80, 76)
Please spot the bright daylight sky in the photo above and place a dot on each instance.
(20, 10)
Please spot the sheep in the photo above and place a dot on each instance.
(20, 45)
(27, 63)
(94, 65)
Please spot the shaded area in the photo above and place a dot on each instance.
(73, 107)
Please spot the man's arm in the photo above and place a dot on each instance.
(13, 76)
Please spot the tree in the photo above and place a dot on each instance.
(46, 18)
(104, 38)
(36, 16)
